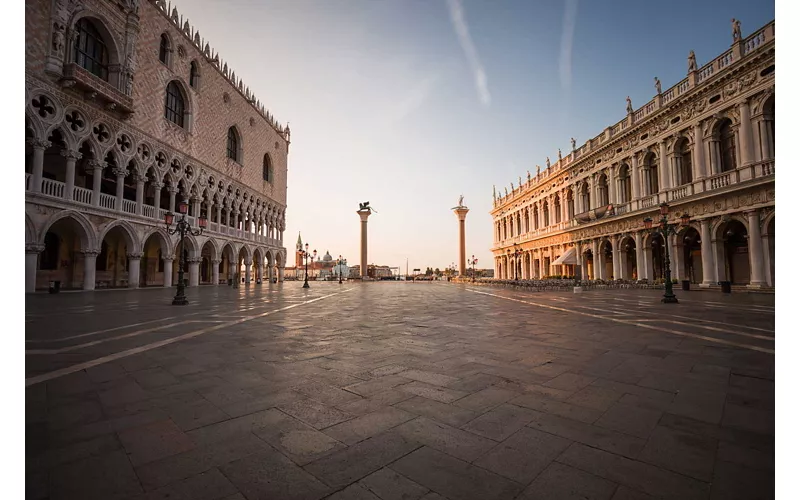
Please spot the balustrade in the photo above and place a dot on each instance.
(129, 206)
(149, 211)
(724, 60)
(82, 195)
(53, 188)
(680, 192)
(768, 168)
(721, 180)
(107, 201)
(754, 41)
(649, 201)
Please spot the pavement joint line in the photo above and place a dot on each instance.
(732, 332)
(44, 377)
(627, 322)
(98, 332)
(109, 339)
(770, 337)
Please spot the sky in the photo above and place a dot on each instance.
(409, 104)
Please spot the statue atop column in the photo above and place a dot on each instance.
(461, 201)
(572, 140)
(529, 176)
(658, 85)
(629, 107)
(692, 62)
(547, 162)
(520, 181)
(736, 27)
(538, 169)
(365, 207)
(559, 154)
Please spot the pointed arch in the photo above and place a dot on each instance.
(128, 231)
(85, 49)
(85, 229)
(234, 147)
(164, 239)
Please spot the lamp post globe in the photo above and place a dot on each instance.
(183, 228)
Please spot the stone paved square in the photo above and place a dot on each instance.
(399, 390)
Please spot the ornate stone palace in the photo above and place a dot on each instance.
(704, 146)
(129, 112)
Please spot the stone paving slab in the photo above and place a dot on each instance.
(395, 390)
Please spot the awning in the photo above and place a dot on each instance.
(567, 257)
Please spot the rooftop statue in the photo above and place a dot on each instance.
(629, 107)
(692, 61)
(736, 26)
(658, 85)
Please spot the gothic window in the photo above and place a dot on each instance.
(90, 50)
(651, 174)
(174, 105)
(163, 49)
(233, 144)
(194, 75)
(527, 222)
(727, 143)
(535, 217)
(49, 258)
(267, 173)
(570, 204)
(585, 197)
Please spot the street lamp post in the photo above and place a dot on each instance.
(182, 227)
(306, 255)
(472, 263)
(339, 264)
(665, 229)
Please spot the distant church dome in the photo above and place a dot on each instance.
(327, 257)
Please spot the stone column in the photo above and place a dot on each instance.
(120, 173)
(168, 270)
(612, 186)
(280, 274)
(637, 239)
(364, 214)
(647, 265)
(172, 192)
(219, 215)
(248, 264)
(765, 140)
(635, 182)
(38, 164)
(674, 265)
(215, 270)
(139, 192)
(615, 256)
(32, 252)
(663, 170)
(461, 213)
(755, 250)
(97, 174)
(713, 157)
(745, 134)
(699, 157)
(89, 267)
(595, 259)
(157, 199)
(194, 271)
(232, 272)
(706, 253)
(134, 259)
(69, 186)
(196, 209)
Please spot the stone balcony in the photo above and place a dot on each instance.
(52, 192)
(116, 100)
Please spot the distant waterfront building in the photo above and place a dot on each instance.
(705, 147)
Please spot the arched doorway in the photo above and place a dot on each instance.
(607, 260)
(692, 255)
(227, 263)
(736, 255)
(151, 267)
(657, 249)
(62, 258)
(588, 265)
(241, 268)
(207, 256)
(111, 267)
(628, 269)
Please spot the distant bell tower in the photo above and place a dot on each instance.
(298, 256)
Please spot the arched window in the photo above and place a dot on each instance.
(651, 174)
(557, 209)
(585, 197)
(684, 156)
(267, 168)
(602, 190)
(233, 144)
(163, 49)
(570, 204)
(625, 184)
(546, 211)
(173, 104)
(535, 217)
(194, 75)
(727, 144)
(90, 50)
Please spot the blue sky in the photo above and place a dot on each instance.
(409, 104)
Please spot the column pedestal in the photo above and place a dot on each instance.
(755, 250)
(168, 270)
(194, 272)
(89, 265)
(247, 267)
(31, 263)
(215, 271)
(706, 253)
(134, 259)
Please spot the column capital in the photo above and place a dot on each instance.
(33, 248)
(120, 172)
(96, 165)
(138, 177)
(134, 255)
(216, 262)
(90, 253)
(38, 144)
(194, 260)
(71, 154)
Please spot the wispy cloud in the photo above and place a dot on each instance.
(414, 98)
(464, 38)
(567, 37)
